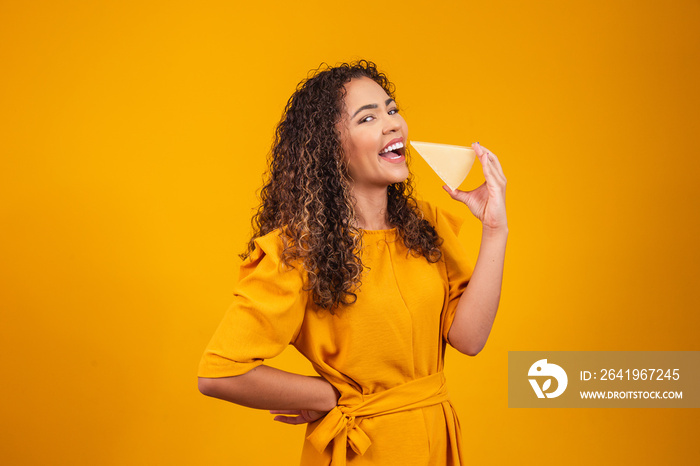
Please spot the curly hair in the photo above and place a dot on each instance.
(307, 194)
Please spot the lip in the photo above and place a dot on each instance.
(393, 141)
(397, 160)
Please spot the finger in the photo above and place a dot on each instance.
(450, 191)
(481, 186)
(466, 196)
(487, 166)
(493, 169)
(295, 420)
(285, 411)
(496, 163)
(479, 151)
(499, 170)
(489, 170)
(486, 153)
(455, 194)
(493, 180)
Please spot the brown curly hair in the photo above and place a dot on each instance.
(307, 194)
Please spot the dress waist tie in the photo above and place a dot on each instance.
(342, 424)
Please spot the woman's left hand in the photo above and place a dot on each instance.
(488, 201)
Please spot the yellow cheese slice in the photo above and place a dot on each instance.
(451, 163)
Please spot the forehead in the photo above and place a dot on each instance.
(363, 91)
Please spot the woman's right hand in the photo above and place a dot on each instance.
(304, 416)
(298, 416)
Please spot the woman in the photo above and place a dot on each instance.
(364, 281)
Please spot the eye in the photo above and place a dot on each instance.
(366, 119)
(393, 111)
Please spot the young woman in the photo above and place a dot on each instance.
(362, 279)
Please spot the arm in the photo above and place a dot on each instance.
(476, 309)
(264, 318)
(265, 387)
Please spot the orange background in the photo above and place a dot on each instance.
(133, 139)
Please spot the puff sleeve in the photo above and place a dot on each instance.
(457, 267)
(266, 314)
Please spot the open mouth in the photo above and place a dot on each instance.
(393, 151)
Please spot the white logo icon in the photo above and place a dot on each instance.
(541, 368)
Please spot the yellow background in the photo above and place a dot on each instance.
(133, 138)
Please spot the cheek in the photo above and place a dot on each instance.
(352, 153)
(353, 157)
(362, 144)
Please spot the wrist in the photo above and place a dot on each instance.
(328, 396)
(333, 398)
(500, 231)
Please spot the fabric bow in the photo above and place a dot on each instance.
(342, 424)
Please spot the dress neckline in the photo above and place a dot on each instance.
(376, 232)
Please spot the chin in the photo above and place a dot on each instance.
(400, 179)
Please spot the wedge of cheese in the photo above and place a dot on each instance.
(451, 163)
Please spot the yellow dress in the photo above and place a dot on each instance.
(384, 353)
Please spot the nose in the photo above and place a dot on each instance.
(392, 124)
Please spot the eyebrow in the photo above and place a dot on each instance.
(369, 106)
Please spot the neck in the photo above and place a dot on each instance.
(371, 209)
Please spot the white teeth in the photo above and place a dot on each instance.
(392, 147)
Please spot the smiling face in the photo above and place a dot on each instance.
(373, 135)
